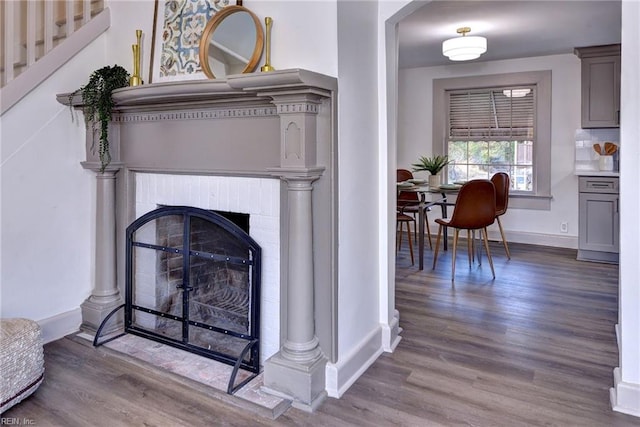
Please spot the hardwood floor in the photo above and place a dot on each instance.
(535, 347)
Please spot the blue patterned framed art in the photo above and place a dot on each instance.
(178, 26)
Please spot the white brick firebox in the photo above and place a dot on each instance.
(258, 197)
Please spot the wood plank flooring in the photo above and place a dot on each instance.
(535, 347)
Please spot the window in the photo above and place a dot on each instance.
(484, 131)
(489, 131)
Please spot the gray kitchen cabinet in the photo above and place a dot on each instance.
(600, 86)
(599, 219)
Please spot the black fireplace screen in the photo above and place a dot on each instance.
(193, 282)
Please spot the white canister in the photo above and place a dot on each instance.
(606, 163)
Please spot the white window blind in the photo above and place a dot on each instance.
(488, 114)
(496, 137)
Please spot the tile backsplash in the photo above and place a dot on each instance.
(586, 157)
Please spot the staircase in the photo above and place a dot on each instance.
(38, 36)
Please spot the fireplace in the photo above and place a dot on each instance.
(277, 128)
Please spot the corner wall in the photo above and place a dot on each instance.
(359, 328)
(625, 395)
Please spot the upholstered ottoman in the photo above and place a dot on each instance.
(21, 360)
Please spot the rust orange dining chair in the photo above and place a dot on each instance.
(408, 202)
(501, 182)
(475, 209)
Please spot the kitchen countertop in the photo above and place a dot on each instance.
(587, 172)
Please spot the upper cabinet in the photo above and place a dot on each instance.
(600, 86)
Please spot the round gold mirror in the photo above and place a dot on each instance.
(231, 43)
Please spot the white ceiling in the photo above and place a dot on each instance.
(514, 29)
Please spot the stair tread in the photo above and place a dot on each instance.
(55, 38)
(23, 62)
(76, 17)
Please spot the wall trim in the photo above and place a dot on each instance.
(625, 397)
(197, 114)
(60, 325)
(341, 375)
(569, 242)
(391, 333)
(540, 239)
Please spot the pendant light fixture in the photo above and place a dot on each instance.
(464, 48)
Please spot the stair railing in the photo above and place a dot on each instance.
(31, 32)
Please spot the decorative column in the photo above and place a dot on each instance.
(301, 343)
(297, 371)
(105, 295)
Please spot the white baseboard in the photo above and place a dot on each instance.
(625, 397)
(60, 325)
(391, 333)
(341, 375)
(554, 240)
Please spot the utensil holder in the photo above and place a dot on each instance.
(605, 163)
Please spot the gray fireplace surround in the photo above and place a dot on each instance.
(279, 125)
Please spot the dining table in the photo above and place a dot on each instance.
(428, 197)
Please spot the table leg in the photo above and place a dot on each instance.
(421, 215)
(444, 215)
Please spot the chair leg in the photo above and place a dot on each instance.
(410, 243)
(469, 247)
(453, 254)
(477, 251)
(399, 230)
(504, 241)
(435, 253)
(486, 246)
(399, 239)
(426, 223)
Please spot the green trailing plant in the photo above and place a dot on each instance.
(98, 105)
(432, 164)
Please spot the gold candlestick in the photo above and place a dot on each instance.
(135, 79)
(267, 62)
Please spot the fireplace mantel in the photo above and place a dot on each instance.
(279, 125)
(277, 120)
(233, 89)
